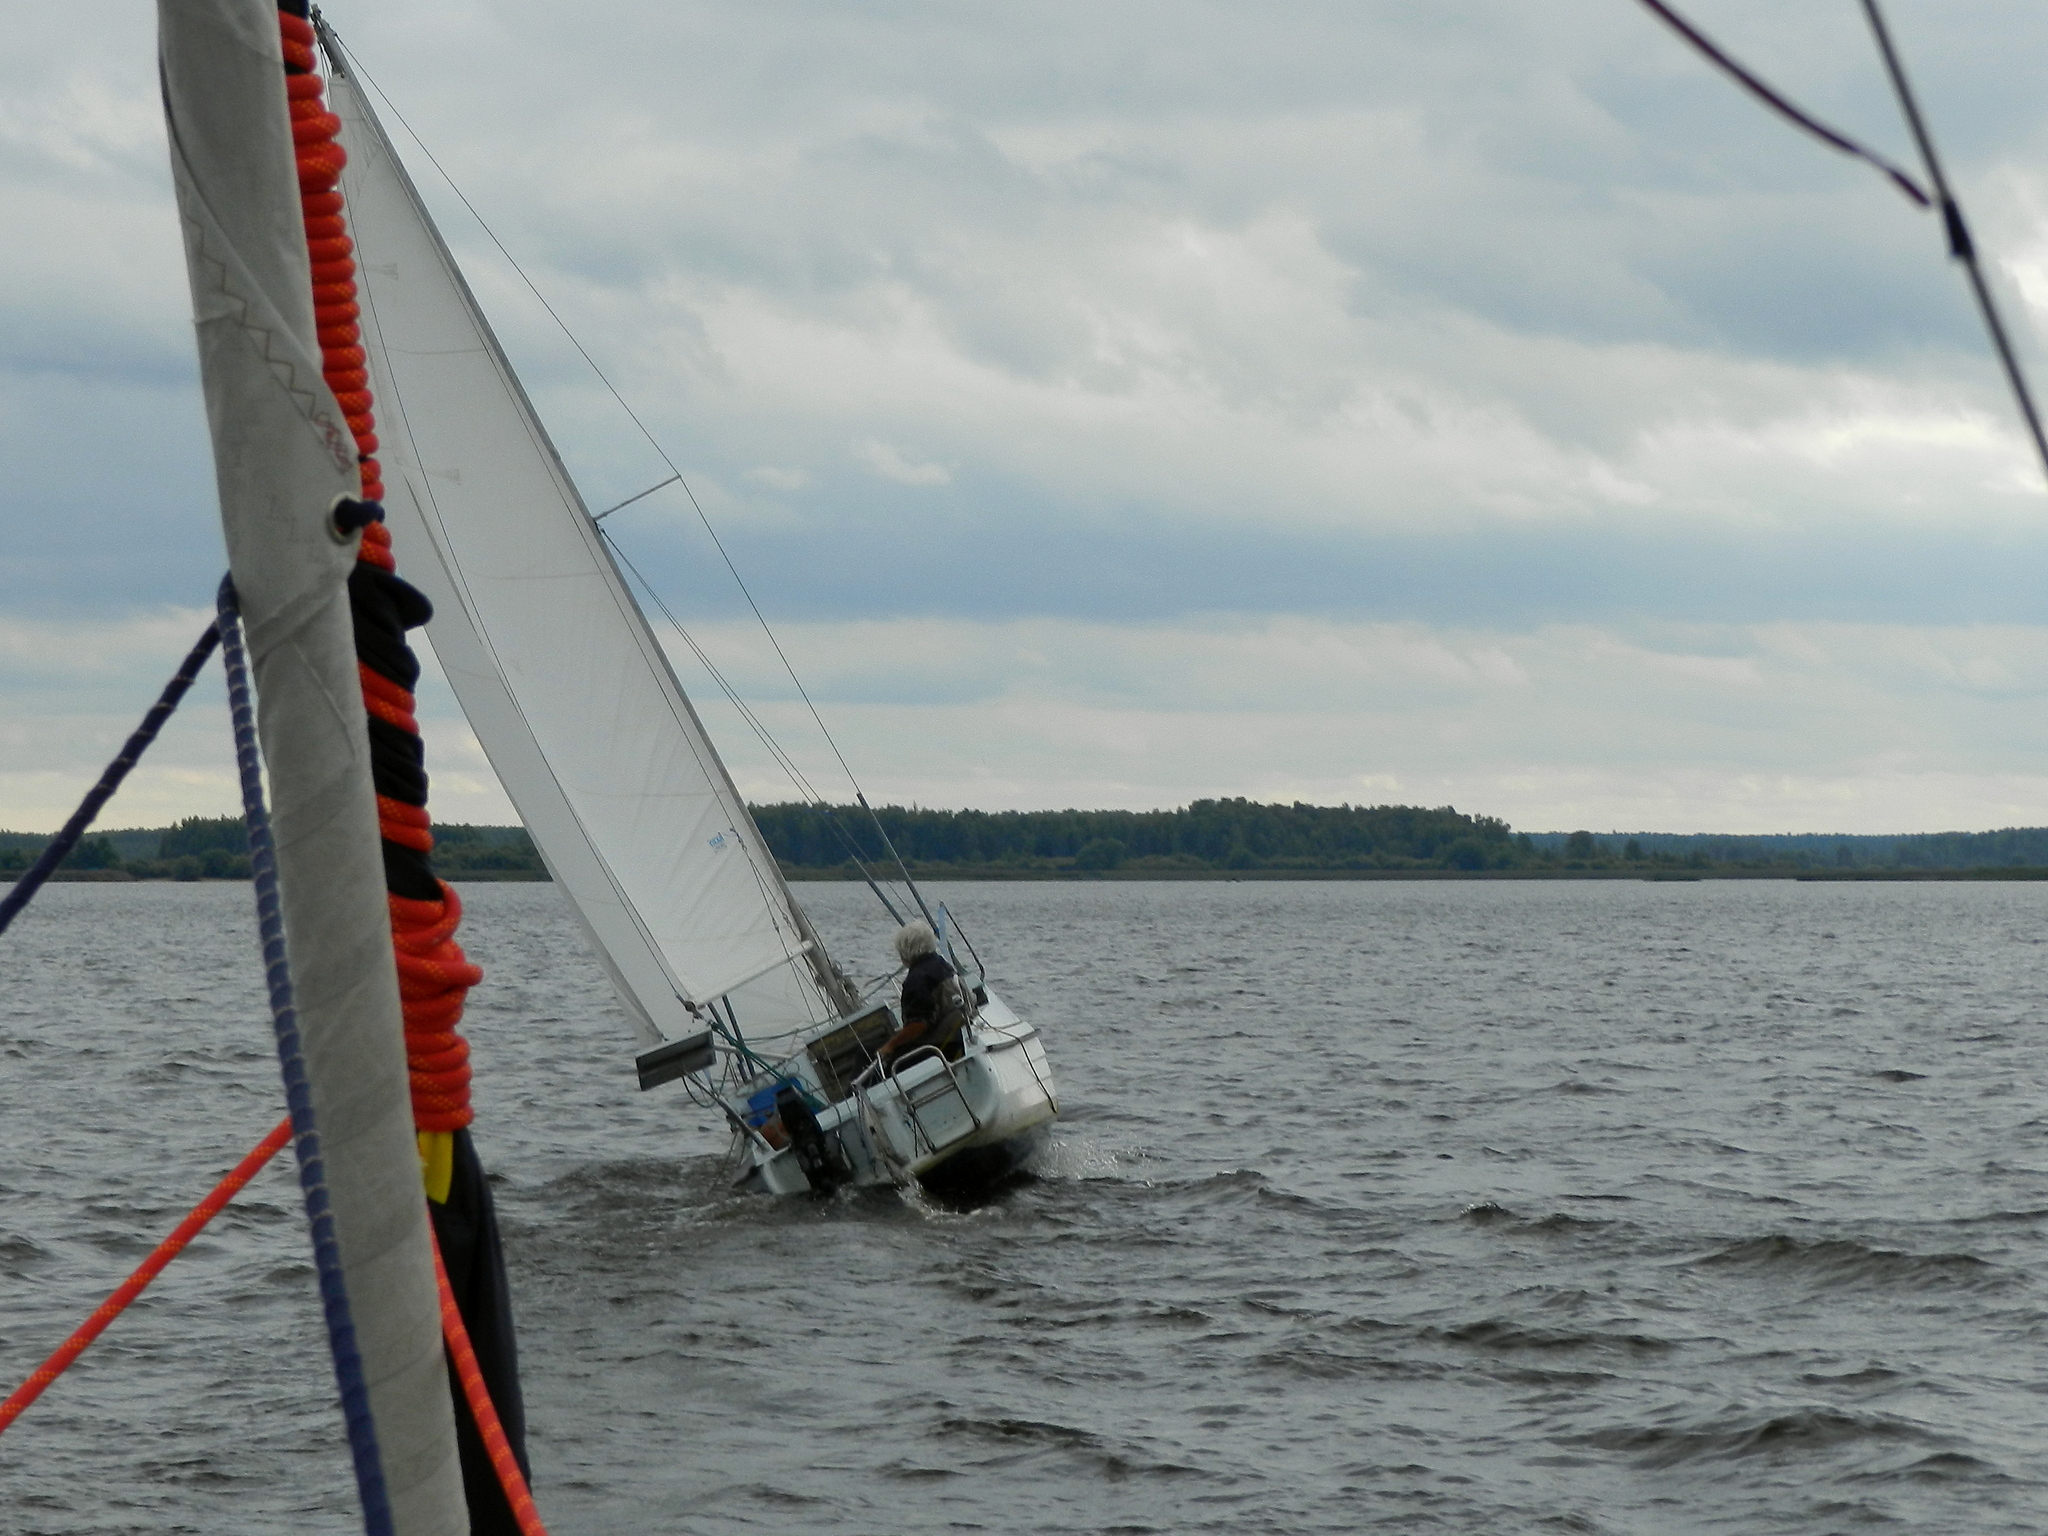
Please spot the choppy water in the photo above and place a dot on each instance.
(1438, 1207)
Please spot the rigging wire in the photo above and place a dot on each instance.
(759, 727)
(620, 506)
(1960, 246)
(31, 880)
(1750, 82)
(675, 472)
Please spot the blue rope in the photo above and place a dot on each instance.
(341, 1332)
(26, 887)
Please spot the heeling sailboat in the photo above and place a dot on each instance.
(601, 751)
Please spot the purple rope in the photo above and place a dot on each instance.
(298, 1091)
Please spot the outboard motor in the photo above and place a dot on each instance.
(820, 1161)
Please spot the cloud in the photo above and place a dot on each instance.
(1683, 727)
(891, 465)
(1431, 357)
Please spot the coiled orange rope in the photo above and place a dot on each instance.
(147, 1271)
(434, 975)
(335, 311)
(433, 978)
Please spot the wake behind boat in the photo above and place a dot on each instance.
(611, 769)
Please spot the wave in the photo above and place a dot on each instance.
(1997, 1218)
(18, 1251)
(1796, 1434)
(1011, 1440)
(1317, 1363)
(1489, 1213)
(1500, 1334)
(1875, 1376)
(1564, 1221)
(1084, 1157)
(1942, 1467)
(1844, 1261)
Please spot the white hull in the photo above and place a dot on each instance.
(928, 1114)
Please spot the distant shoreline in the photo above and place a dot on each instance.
(1000, 874)
(1205, 840)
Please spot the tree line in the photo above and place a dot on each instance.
(217, 848)
(1226, 835)
(1222, 836)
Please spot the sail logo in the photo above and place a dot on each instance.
(717, 841)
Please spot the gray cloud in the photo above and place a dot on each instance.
(1459, 315)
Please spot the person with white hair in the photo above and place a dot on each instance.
(933, 1011)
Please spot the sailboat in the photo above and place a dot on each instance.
(608, 764)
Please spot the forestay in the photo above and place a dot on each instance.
(566, 687)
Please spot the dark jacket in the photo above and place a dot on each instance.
(923, 988)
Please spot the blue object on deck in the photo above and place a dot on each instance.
(761, 1106)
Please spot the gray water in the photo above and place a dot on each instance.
(1604, 1207)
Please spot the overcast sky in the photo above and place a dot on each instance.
(1115, 404)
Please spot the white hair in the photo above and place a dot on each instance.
(914, 939)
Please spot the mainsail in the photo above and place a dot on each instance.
(565, 685)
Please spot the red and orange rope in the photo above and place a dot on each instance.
(499, 1449)
(434, 975)
(335, 311)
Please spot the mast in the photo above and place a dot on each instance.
(283, 455)
(572, 697)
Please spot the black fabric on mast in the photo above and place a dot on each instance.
(384, 606)
(466, 1227)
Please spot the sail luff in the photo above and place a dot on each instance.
(282, 455)
(571, 695)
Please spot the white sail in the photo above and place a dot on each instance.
(282, 454)
(566, 687)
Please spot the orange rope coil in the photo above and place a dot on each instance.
(434, 975)
(335, 311)
(433, 979)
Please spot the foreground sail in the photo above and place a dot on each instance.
(566, 687)
(282, 455)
